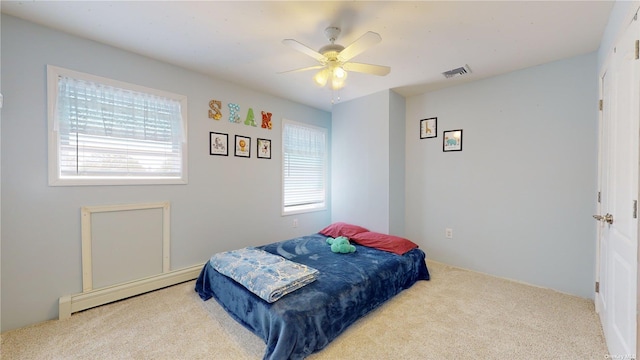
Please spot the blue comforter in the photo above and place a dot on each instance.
(348, 286)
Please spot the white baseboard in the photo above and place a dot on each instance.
(73, 303)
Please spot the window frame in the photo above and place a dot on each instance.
(300, 209)
(54, 172)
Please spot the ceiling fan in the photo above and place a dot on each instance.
(334, 58)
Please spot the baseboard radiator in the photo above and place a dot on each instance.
(125, 252)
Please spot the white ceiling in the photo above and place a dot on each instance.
(241, 41)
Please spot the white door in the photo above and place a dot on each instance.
(616, 300)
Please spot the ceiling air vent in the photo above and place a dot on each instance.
(457, 72)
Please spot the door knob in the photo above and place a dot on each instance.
(607, 218)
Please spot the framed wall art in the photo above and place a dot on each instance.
(218, 144)
(264, 148)
(429, 128)
(243, 146)
(452, 140)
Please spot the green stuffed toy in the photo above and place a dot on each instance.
(341, 245)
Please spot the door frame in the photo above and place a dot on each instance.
(634, 10)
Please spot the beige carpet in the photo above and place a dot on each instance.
(459, 314)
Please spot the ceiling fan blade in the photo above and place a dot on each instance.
(367, 68)
(361, 44)
(305, 49)
(302, 69)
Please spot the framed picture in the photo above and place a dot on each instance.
(429, 128)
(264, 148)
(218, 144)
(452, 140)
(243, 146)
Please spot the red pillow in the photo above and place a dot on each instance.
(342, 229)
(390, 243)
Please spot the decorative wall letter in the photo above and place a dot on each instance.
(214, 109)
(266, 120)
(250, 118)
(233, 113)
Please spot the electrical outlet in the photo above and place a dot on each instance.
(295, 222)
(448, 233)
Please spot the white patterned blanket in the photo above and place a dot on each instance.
(267, 275)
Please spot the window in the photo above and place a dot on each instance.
(106, 132)
(304, 167)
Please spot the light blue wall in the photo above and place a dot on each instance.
(397, 115)
(520, 195)
(360, 162)
(368, 164)
(41, 247)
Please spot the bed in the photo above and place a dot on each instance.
(347, 287)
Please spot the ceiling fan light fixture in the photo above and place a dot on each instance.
(337, 84)
(339, 73)
(338, 78)
(321, 77)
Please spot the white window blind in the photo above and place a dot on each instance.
(106, 132)
(304, 167)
